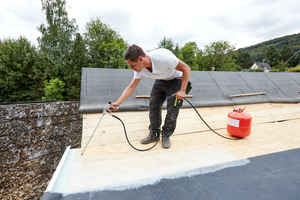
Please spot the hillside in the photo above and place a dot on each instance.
(257, 51)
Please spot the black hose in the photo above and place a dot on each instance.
(208, 125)
(159, 138)
(128, 139)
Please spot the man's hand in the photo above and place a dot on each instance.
(180, 94)
(113, 107)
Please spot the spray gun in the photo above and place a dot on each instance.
(107, 108)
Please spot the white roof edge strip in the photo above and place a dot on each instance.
(58, 170)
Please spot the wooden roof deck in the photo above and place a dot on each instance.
(109, 162)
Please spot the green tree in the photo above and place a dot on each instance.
(281, 67)
(244, 59)
(54, 90)
(258, 51)
(112, 55)
(57, 34)
(176, 50)
(218, 54)
(294, 69)
(286, 54)
(166, 43)
(272, 56)
(76, 60)
(201, 61)
(99, 38)
(42, 71)
(231, 67)
(20, 72)
(188, 55)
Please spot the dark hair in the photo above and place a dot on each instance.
(133, 52)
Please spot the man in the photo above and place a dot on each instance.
(172, 76)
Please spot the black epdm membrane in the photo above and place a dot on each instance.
(210, 88)
(269, 177)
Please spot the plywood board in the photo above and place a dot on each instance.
(111, 130)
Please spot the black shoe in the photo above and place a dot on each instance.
(166, 142)
(152, 137)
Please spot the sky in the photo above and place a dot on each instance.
(146, 23)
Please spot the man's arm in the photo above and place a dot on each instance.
(126, 93)
(186, 71)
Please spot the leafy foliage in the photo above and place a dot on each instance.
(244, 59)
(105, 46)
(294, 69)
(188, 53)
(272, 56)
(75, 61)
(219, 54)
(54, 90)
(57, 34)
(20, 70)
(230, 67)
(111, 54)
(166, 43)
(43, 69)
(257, 52)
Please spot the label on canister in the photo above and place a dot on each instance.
(233, 122)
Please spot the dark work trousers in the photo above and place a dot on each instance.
(160, 91)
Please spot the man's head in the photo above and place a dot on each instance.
(134, 56)
(133, 53)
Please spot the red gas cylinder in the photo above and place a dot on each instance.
(239, 123)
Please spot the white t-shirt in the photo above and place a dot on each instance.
(164, 63)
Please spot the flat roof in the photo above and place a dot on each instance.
(110, 168)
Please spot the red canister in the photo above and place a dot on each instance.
(239, 123)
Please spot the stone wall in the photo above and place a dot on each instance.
(33, 138)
